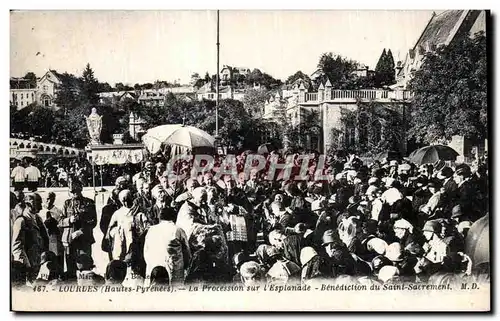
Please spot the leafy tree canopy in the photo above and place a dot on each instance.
(450, 92)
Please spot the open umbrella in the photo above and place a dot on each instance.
(477, 243)
(433, 153)
(188, 137)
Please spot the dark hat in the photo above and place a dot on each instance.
(84, 261)
(463, 170)
(47, 256)
(75, 185)
(329, 237)
(422, 180)
(445, 172)
(370, 226)
(432, 226)
(434, 183)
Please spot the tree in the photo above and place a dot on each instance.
(121, 87)
(194, 78)
(296, 76)
(237, 127)
(254, 101)
(105, 87)
(298, 134)
(32, 78)
(371, 128)
(337, 69)
(385, 74)
(207, 78)
(89, 93)
(67, 98)
(35, 124)
(450, 92)
(70, 129)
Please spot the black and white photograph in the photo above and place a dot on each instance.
(250, 160)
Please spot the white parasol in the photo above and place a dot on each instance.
(188, 137)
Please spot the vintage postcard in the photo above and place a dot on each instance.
(249, 160)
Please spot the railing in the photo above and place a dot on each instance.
(351, 95)
(311, 96)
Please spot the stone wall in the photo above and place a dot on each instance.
(331, 114)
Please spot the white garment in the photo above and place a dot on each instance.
(55, 213)
(32, 174)
(167, 245)
(18, 174)
(376, 208)
(438, 249)
(120, 232)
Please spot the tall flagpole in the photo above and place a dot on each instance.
(217, 84)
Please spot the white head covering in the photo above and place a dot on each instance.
(371, 189)
(377, 245)
(198, 192)
(388, 272)
(306, 255)
(403, 224)
(391, 196)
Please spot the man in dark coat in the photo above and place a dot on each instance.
(78, 221)
(466, 195)
(107, 212)
(29, 236)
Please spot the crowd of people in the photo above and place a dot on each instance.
(57, 172)
(384, 222)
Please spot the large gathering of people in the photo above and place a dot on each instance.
(381, 222)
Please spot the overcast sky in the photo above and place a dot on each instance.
(142, 46)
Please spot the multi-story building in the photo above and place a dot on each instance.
(228, 73)
(47, 87)
(329, 103)
(225, 92)
(22, 92)
(152, 98)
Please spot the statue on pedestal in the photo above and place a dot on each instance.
(94, 125)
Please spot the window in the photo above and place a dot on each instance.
(33, 96)
(46, 102)
(22, 96)
(45, 87)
